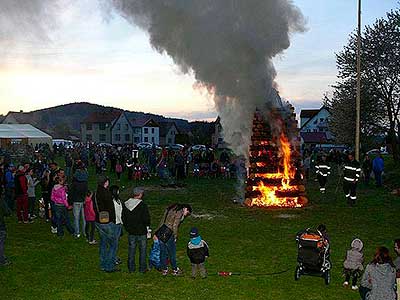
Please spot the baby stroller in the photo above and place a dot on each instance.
(313, 255)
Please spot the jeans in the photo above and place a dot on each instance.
(78, 212)
(9, 198)
(168, 249)
(62, 217)
(133, 242)
(32, 201)
(3, 235)
(89, 230)
(108, 246)
(378, 178)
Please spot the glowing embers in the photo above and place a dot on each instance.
(273, 180)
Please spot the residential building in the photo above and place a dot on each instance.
(122, 131)
(96, 127)
(314, 130)
(150, 131)
(168, 132)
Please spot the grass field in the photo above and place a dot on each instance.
(253, 242)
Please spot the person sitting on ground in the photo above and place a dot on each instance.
(379, 279)
(353, 264)
(172, 218)
(136, 219)
(197, 251)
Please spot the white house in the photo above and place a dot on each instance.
(150, 131)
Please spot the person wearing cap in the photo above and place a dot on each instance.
(172, 218)
(351, 175)
(136, 220)
(197, 251)
(108, 230)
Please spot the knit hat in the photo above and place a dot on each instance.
(357, 244)
(194, 232)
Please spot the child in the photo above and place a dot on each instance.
(353, 264)
(118, 170)
(197, 251)
(90, 218)
(59, 197)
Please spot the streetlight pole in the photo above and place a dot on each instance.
(358, 98)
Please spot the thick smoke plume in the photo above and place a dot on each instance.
(227, 44)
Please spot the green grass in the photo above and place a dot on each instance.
(251, 241)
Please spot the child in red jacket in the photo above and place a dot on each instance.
(90, 218)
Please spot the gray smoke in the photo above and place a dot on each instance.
(27, 20)
(227, 44)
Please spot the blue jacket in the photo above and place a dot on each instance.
(9, 183)
(377, 164)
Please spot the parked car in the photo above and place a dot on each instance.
(177, 147)
(67, 144)
(377, 151)
(105, 145)
(198, 148)
(147, 145)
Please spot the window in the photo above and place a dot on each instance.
(146, 130)
(315, 130)
(117, 137)
(102, 126)
(89, 137)
(220, 139)
(89, 126)
(102, 137)
(152, 130)
(152, 139)
(146, 139)
(316, 121)
(321, 120)
(127, 137)
(137, 130)
(136, 139)
(118, 126)
(126, 127)
(169, 141)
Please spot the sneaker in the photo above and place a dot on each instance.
(354, 288)
(77, 236)
(94, 242)
(26, 222)
(177, 272)
(164, 272)
(53, 229)
(19, 222)
(30, 221)
(345, 284)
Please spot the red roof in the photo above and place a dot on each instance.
(314, 137)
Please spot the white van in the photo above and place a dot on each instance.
(66, 143)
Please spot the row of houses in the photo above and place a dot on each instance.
(120, 128)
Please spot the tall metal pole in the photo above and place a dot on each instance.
(358, 98)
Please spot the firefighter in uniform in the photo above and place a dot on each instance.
(323, 170)
(351, 175)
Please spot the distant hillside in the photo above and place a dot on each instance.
(64, 120)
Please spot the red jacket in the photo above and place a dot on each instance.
(21, 184)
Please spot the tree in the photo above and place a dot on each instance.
(380, 84)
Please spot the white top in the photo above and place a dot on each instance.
(118, 212)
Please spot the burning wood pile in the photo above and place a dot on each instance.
(274, 176)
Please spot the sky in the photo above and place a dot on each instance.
(100, 58)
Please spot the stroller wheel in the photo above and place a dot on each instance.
(297, 273)
(327, 277)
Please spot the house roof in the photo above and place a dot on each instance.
(19, 131)
(308, 113)
(314, 137)
(19, 117)
(102, 117)
(165, 127)
(309, 120)
(143, 122)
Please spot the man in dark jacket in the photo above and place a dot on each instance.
(79, 189)
(109, 232)
(136, 219)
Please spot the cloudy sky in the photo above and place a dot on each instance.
(100, 58)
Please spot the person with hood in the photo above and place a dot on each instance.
(79, 190)
(168, 228)
(105, 223)
(9, 187)
(21, 195)
(61, 206)
(353, 264)
(136, 220)
(379, 279)
(197, 251)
